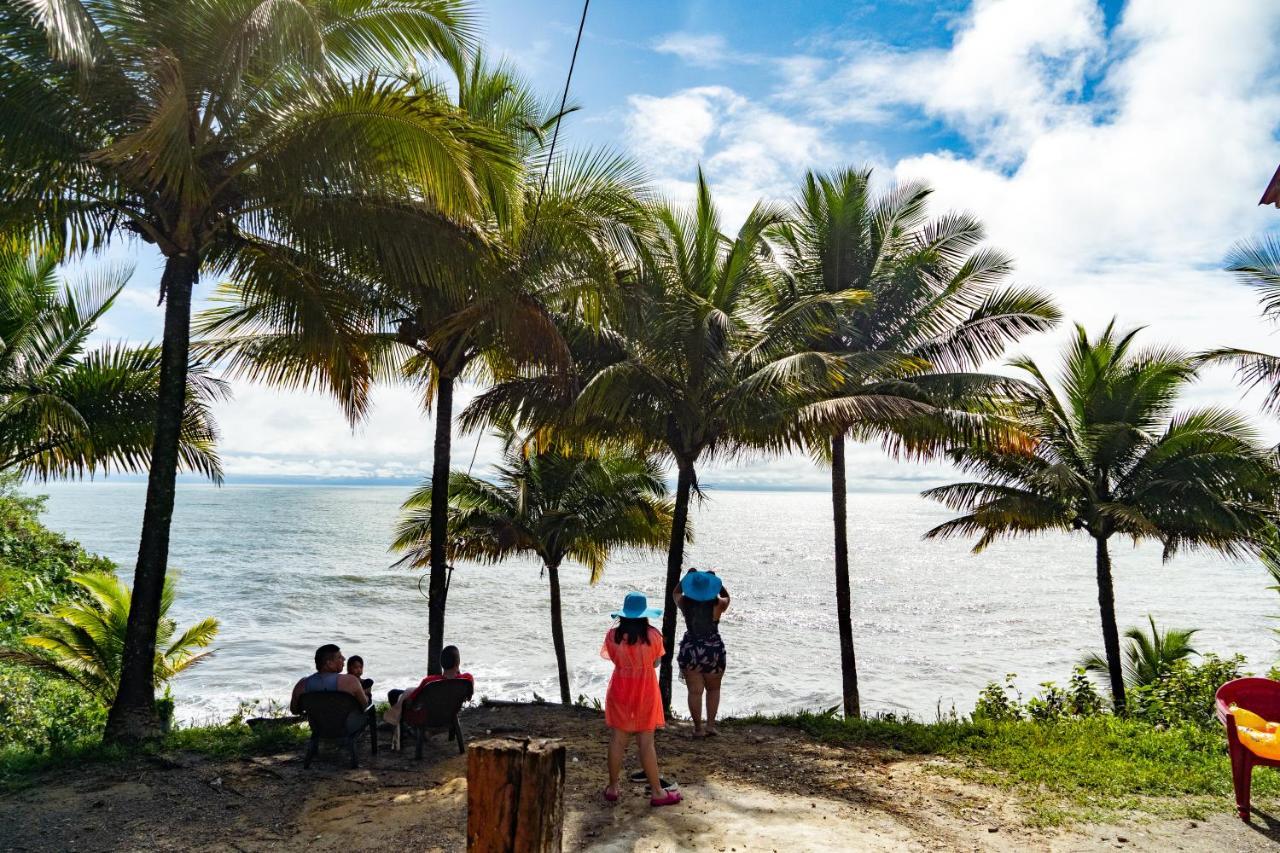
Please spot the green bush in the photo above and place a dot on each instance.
(42, 714)
(1003, 703)
(1184, 694)
(36, 563)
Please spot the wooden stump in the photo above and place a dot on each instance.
(515, 795)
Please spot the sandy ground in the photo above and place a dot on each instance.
(754, 788)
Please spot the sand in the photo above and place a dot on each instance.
(754, 788)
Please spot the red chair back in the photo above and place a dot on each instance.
(1259, 695)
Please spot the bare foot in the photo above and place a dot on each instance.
(711, 731)
(698, 732)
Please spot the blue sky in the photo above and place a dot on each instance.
(1117, 150)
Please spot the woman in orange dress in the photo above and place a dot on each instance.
(633, 704)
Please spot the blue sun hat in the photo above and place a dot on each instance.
(636, 606)
(701, 586)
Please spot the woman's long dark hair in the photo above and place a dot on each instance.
(633, 630)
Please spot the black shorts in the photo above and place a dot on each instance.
(702, 654)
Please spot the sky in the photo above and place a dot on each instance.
(1116, 150)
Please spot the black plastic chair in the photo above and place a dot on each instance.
(334, 715)
(438, 704)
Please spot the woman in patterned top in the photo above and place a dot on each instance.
(702, 599)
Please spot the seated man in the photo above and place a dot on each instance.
(450, 662)
(355, 667)
(328, 677)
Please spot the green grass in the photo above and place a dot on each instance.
(1067, 770)
(19, 768)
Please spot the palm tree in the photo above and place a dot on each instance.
(233, 135)
(692, 361)
(934, 314)
(1147, 657)
(482, 307)
(65, 412)
(83, 642)
(1108, 455)
(1257, 264)
(553, 502)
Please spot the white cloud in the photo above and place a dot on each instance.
(749, 151)
(705, 50)
(1013, 70)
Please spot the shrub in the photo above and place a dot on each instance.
(36, 564)
(996, 704)
(1184, 694)
(41, 714)
(1003, 703)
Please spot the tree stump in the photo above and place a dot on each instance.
(515, 795)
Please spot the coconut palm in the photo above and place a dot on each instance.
(233, 135)
(691, 362)
(552, 502)
(1110, 456)
(935, 314)
(1257, 264)
(1147, 657)
(83, 642)
(481, 308)
(66, 411)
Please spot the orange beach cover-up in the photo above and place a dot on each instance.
(633, 702)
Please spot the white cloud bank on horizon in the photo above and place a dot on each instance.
(1120, 204)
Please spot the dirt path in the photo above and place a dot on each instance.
(752, 789)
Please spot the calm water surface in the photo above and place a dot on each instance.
(286, 568)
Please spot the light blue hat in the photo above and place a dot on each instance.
(636, 606)
(700, 586)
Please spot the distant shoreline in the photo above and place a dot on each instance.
(896, 487)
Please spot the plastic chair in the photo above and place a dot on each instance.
(1262, 696)
(434, 709)
(334, 715)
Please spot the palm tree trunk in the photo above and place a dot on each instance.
(557, 634)
(675, 560)
(133, 715)
(844, 596)
(436, 589)
(1110, 633)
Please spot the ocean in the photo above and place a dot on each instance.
(287, 568)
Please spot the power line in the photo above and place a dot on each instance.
(551, 153)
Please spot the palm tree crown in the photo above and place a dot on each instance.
(1108, 455)
(65, 411)
(1148, 657)
(83, 642)
(555, 502)
(935, 313)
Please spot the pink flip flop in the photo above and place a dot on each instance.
(610, 798)
(671, 798)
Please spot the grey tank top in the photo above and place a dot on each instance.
(321, 682)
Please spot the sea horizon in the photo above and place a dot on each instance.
(288, 566)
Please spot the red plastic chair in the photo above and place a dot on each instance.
(1262, 697)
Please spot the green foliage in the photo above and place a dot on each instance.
(42, 714)
(1003, 703)
(36, 564)
(1147, 657)
(66, 411)
(1105, 452)
(999, 703)
(1098, 761)
(552, 502)
(82, 642)
(1183, 695)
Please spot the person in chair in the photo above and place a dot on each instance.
(328, 677)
